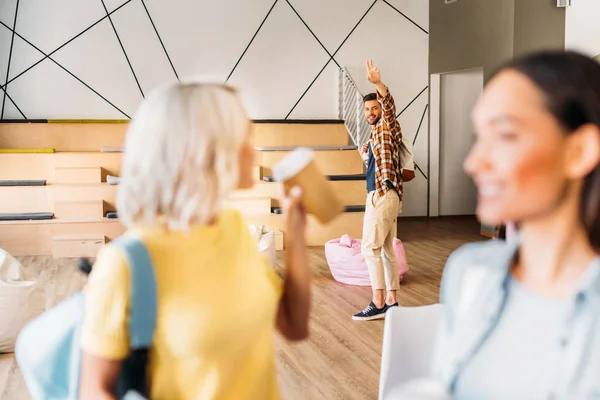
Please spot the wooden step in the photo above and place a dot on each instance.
(43, 166)
(63, 136)
(92, 136)
(299, 133)
(250, 205)
(19, 199)
(330, 162)
(77, 246)
(351, 192)
(28, 238)
(80, 209)
(72, 175)
(317, 233)
(23, 199)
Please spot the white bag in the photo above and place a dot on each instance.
(20, 301)
(265, 239)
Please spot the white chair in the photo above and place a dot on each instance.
(408, 340)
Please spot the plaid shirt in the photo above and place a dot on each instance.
(386, 137)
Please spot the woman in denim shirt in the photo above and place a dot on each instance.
(522, 318)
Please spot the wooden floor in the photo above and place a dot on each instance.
(341, 358)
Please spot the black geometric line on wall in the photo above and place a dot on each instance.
(14, 104)
(66, 70)
(421, 171)
(331, 58)
(122, 48)
(160, 40)
(420, 122)
(312, 33)
(412, 101)
(405, 16)
(251, 40)
(12, 41)
(67, 42)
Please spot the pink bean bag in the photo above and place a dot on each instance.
(347, 264)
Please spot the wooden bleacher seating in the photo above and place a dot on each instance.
(71, 185)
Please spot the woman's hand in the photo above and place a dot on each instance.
(294, 306)
(294, 213)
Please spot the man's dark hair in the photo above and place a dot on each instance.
(369, 97)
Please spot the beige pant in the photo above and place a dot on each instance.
(379, 231)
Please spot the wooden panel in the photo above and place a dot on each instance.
(24, 199)
(257, 173)
(350, 192)
(317, 233)
(79, 209)
(330, 162)
(63, 136)
(85, 192)
(27, 166)
(77, 246)
(250, 205)
(26, 238)
(278, 236)
(78, 175)
(260, 189)
(42, 166)
(80, 137)
(109, 162)
(300, 135)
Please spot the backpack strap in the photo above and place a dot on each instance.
(143, 301)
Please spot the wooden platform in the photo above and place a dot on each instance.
(91, 137)
(341, 359)
(77, 194)
(330, 162)
(44, 166)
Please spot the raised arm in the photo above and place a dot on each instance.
(385, 99)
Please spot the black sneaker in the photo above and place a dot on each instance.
(391, 305)
(370, 313)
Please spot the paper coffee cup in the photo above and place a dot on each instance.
(299, 169)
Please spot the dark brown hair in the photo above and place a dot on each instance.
(369, 97)
(570, 83)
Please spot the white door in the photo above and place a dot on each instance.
(458, 93)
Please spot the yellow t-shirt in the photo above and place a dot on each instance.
(217, 302)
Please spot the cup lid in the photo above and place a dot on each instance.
(292, 163)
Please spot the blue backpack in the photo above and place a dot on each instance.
(48, 349)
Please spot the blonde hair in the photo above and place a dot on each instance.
(181, 155)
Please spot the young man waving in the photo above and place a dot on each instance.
(384, 198)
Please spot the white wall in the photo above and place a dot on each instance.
(458, 93)
(582, 29)
(207, 38)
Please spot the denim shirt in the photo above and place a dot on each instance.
(474, 290)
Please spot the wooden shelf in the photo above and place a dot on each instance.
(330, 162)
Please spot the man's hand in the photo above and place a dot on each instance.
(364, 148)
(373, 74)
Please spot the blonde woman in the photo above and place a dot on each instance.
(187, 148)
